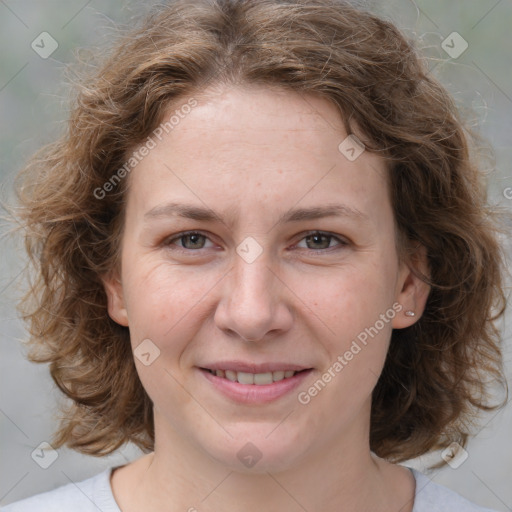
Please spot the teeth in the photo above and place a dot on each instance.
(262, 378)
(278, 375)
(246, 378)
(259, 379)
(231, 375)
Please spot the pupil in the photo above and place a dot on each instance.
(317, 239)
(193, 238)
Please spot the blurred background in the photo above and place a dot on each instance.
(40, 37)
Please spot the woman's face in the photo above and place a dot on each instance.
(291, 267)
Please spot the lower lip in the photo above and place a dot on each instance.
(252, 393)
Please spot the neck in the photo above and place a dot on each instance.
(329, 477)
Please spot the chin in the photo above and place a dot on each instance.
(254, 450)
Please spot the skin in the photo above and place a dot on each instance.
(250, 154)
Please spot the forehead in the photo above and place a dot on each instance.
(252, 146)
(254, 115)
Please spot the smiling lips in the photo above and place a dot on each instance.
(252, 383)
(259, 379)
(251, 373)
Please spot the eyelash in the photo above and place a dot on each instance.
(342, 243)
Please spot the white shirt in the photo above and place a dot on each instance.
(95, 494)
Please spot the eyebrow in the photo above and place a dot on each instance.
(296, 215)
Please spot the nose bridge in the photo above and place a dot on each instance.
(251, 305)
(252, 284)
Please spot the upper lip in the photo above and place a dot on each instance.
(241, 366)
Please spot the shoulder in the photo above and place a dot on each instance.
(432, 497)
(89, 495)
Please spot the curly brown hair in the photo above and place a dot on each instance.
(437, 371)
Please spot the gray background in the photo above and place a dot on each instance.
(32, 108)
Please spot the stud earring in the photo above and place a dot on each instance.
(410, 313)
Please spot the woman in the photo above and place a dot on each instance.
(265, 258)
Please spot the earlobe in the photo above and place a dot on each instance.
(413, 291)
(115, 300)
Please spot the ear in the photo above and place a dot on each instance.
(412, 292)
(115, 298)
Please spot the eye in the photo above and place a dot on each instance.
(189, 240)
(314, 240)
(320, 240)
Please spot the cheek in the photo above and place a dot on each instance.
(355, 306)
(348, 299)
(163, 301)
(165, 306)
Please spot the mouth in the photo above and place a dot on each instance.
(254, 384)
(256, 379)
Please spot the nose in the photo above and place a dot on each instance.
(254, 304)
